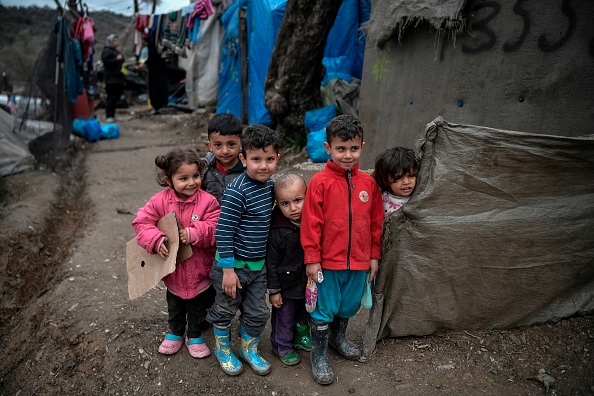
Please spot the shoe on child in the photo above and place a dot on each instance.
(197, 347)
(290, 359)
(171, 344)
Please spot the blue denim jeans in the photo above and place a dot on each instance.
(250, 300)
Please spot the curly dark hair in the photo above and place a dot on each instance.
(345, 127)
(169, 163)
(258, 136)
(392, 164)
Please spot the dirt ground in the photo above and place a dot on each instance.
(68, 327)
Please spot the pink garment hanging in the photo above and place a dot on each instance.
(85, 32)
(202, 10)
(142, 24)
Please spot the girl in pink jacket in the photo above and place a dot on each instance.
(189, 289)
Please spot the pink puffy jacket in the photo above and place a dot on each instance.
(199, 215)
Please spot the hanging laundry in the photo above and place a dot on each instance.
(69, 54)
(85, 33)
(142, 24)
(174, 32)
(202, 10)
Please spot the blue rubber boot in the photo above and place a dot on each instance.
(249, 353)
(229, 362)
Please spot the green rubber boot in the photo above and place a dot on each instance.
(302, 338)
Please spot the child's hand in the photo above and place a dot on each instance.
(183, 236)
(373, 267)
(312, 271)
(276, 300)
(230, 282)
(163, 252)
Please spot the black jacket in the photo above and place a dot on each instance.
(113, 66)
(284, 258)
(213, 181)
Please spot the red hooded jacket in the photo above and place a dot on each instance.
(341, 222)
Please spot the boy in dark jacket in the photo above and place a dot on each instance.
(341, 237)
(222, 163)
(286, 272)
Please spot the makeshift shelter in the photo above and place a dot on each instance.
(519, 66)
(499, 233)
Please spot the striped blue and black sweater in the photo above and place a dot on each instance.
(242, 230)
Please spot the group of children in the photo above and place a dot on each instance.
(251, 236)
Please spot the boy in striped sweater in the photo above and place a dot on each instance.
(239, 274)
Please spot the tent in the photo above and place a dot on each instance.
(499, 233)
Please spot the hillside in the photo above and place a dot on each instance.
(24, 32)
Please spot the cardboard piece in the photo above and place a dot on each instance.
(146, 270)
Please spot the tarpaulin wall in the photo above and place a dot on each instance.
(499, 233)
(518, 65)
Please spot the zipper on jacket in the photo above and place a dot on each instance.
(349, 184)
(184, 278)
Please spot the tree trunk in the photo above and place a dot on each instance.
(295, 73)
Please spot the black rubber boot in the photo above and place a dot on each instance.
(320, 366)
(338, 339)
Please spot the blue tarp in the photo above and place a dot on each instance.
(344, 39)
(230, 99)
(263, 18)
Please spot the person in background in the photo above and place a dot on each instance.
(287, 279)
(113, 62)
(5, 85)
(396, 175)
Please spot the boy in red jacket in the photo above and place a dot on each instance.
(341, 229)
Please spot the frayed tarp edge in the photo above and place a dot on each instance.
(391, 18)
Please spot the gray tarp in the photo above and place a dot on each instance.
(14, 153)
(499, 233)
(389, 17)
